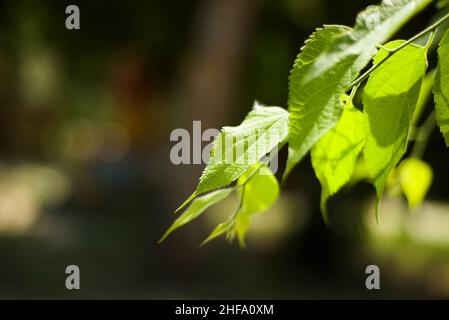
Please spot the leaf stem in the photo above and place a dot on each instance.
(391, 52)
(242, 198)
(423, 135)
(262, 162)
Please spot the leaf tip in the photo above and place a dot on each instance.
(324, 213)
(189, 199)
(162, 239)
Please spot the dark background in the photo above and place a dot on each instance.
(86, 177)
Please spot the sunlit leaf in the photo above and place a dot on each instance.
(334, 156)
(242, 222)
(312, 104)
(390, 99)
(261, 192)
(258, 190)
(415, 178)
(198, 206)
(236, 149)
(219, 230)
(329, 62)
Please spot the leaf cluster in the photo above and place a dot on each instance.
(321, 119)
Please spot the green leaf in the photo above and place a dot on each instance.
(260, 192)
(242, 222)
(219, 230)
(329, 62)
(415, 178)
(441, 88)
(236, 149)
(311, 104)
(335, 155)
(198, 206)
(390, 98)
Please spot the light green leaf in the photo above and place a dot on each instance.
(415, 178)
(198, 206)
(312, 104)
(219, 230)
(236, 149)
(260, 192)
(390, 99)
(334, 156)
(441, 88)
(242, 222)
(331, 59)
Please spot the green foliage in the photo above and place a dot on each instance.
(390, 99)
(334, 156)
(441, 88)
(258, 190)
(329, 63)
(236, 149)
(323, 119)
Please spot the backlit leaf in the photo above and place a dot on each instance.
(334, 156)
(242, 222)
(415, 178)
(236, 149)
(329, 62)
(198, 206)
(390, 99)
(219, 230)
(259, 194)
(258, 190)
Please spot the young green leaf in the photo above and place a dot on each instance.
(329, 63)
(198, 206)
(219, 230)
(258, 190)
(390, 99)
(242, 222)
(334, 156)
(261, 191)
(236, 149)
(441, 88)
(311, 104)
(415, 178)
